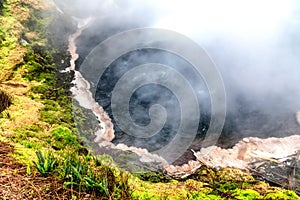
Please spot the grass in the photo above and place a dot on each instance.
(46, 163)
(29, 76)
(88, 173)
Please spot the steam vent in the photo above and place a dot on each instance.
(259, 127)
(130, 99)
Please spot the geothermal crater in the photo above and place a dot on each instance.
(246, 116)
(278, 131)
(261, 79)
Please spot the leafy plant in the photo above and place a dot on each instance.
(77, 172)
(46, 163)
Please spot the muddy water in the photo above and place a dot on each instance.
(245, 152)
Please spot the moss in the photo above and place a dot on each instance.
(284, 195)
(40, 99)
(153, 177)
(229, 174)
(246, 194)
(189, 189)
(205, 197)
(62, 137)
(204, 174)
(32, 144)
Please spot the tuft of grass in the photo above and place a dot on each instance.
(91, 174)
(85, 173)
(46, 163)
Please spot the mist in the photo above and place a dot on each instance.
(254, 44)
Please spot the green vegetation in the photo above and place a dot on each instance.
(36, 119)
(85, 173)
(45, 164)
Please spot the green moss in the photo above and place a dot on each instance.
(205, 174)
(38, 65)
(234, 175)
(63, 137)
(246, 194)
(202, 196)
(32, 144)
(284, 195)
(153, 177)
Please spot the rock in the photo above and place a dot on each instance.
(246, 140)
(298, 117)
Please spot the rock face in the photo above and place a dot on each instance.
(246, 154)
(82, 94)
(250, 150)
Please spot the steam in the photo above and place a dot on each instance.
(255, 45)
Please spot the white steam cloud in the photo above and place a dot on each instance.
(254, 43)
